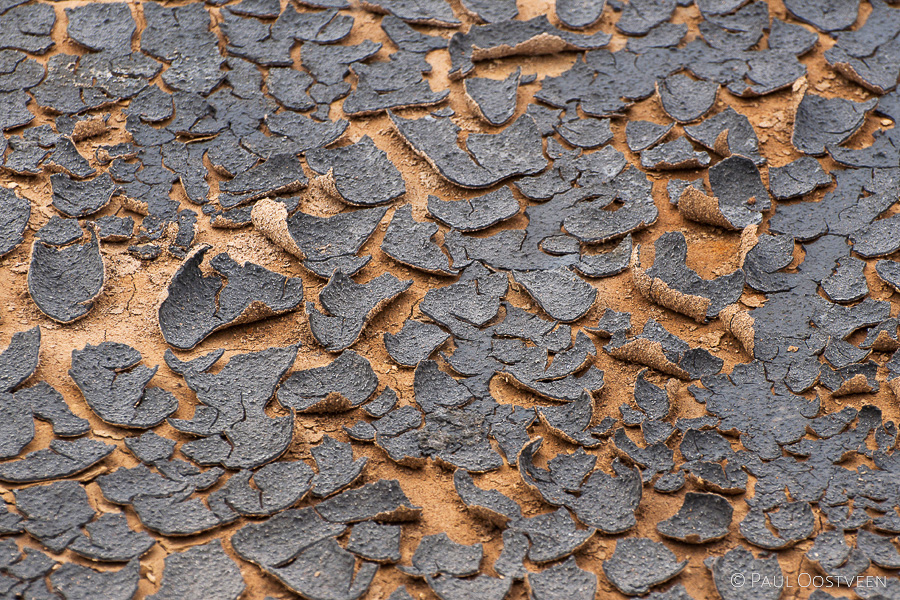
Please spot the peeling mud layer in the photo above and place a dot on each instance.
(449, 299)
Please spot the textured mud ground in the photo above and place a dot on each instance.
(461, 299)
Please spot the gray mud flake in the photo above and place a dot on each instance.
(325, 571)
(376, 542)
(81, 198)
(847, 283)
(361, 174)
(640, 135)
(197, 305)
(579, 14)
(491, 11)
(350, 305)
(491, 158)
(474, 214)
(563, 581)
(384, 403)
(60, 231)
(345, 383)
(411, 243)
(110, 539)
(740, 561)
(77, 582)
(553, 536)
(62, 459)
(415, 342)
(674, 155)
(702, 518)
(54, 512)
(797, 178)
(671, 283)
(640, 16)
(278, 485)
(685, 99)
(727, 133)
(439, 554)
(19, 360)
(408, 39)
(436, 13)
(65, 282)
(337, 469)
(562, 294)
(512, 38)
(637, 564)
(659, 349)
(280, 174)
(825, 15)
(821, 122)
(111, 228)
(115, 386)
(382, 500)
(490, 505)
(47, 404)
(14, 215)
(199, 573)
(607, 502)
(791, 37)
(495, 99)
(572, 421)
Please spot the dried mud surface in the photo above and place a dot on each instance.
(126, 311)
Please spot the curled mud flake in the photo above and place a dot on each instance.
(347, 382)
(439, 554)
(376, 542)
(415, 342)
(382, 500)
(727, 133)
(278, 485)
(361, 174)
(197, 305)
(336, 467)
(671, 283)
(512, 38)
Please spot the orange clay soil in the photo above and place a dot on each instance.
(126, 312)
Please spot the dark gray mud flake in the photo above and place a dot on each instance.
(409, 39)
(376, 542)
(702, 518)
(609, 502)
(740, 561)
(278, 485)
(110, 539)
(415, 342)
(729, 132)
(490, 505)
(474, 214)
(81, 198)
(512, 38)
(382, 500)
(641, 16)
(199, 573)
(62, 459)
(361, 174)
(677, 154)
(659, 349)
(280, 174)
(640, 135)
(491, 158)
(579, 14)
(196, 305)
(14, 215)
(115, 386)
(47, 404)
(637, 564)
(562, 294)
(60, 231)
(350, 305)
(54, 512)
(685, 99)
(411, 242)
(111, 228)
(65, 282)
(337, 469)
(563, 581)
(797, 178)
(439, 554)
(495, 99)
(672, 284)
(821, 122)
(791, 37)
(825, 15)
(77, 582)
(347, 382)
